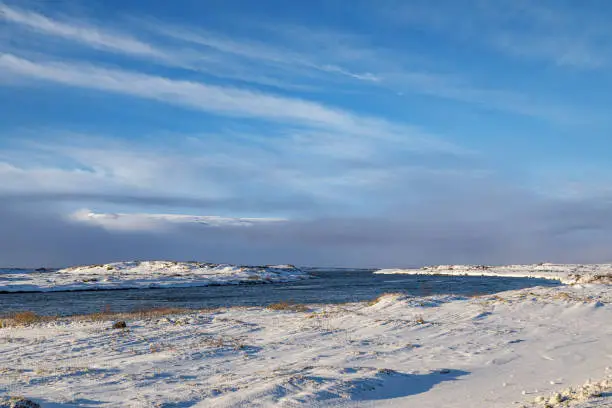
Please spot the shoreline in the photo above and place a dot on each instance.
(568, 274)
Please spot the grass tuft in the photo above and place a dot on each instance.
(382, 296)
(290, 306)
(28, 317)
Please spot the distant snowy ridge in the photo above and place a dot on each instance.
(569, 274)
(145, 274)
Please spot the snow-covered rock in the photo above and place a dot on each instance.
(17, 402)
(144, 274)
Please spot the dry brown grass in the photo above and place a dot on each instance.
(380, 297)
(290, 306)
(27, 318)
(135, 315)
(24, 318)
(562, 296)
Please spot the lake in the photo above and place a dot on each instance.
(326, 286)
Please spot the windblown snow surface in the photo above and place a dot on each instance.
(536, 347)
(144, 274)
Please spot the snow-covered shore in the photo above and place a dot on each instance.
(144, 274)
(566, 273)
(513, 349)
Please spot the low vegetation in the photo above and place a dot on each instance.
(384, 295)
(26, 318)
(289, 306)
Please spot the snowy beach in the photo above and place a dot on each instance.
(521, 348)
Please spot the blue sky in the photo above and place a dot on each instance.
(408, 115)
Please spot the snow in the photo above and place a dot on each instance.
(513, 349)
(144, 274)
(568, 274)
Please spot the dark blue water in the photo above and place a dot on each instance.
(330, 286)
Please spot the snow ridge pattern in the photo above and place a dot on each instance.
(144, 274)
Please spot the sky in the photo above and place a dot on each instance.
(353, 133)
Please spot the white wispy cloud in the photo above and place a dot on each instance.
(271, 175)
(546, 31)
(453, 87)
(227, 101)
(567, 50)
(157, 222)
(261, 52)
(100, 167)
(81, 33)
(386, 69)
(207, 52)
(576, 37)
(312, 60)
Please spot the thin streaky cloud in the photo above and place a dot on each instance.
(532, 31)
(227, 101)
(152, 222)
(566, 51)
(248, 60)
(256, 51)
(380, 68)
(86, 34)
(293, 175)
(102, 38)
(452, 88)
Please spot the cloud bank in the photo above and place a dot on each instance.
(478, 232)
